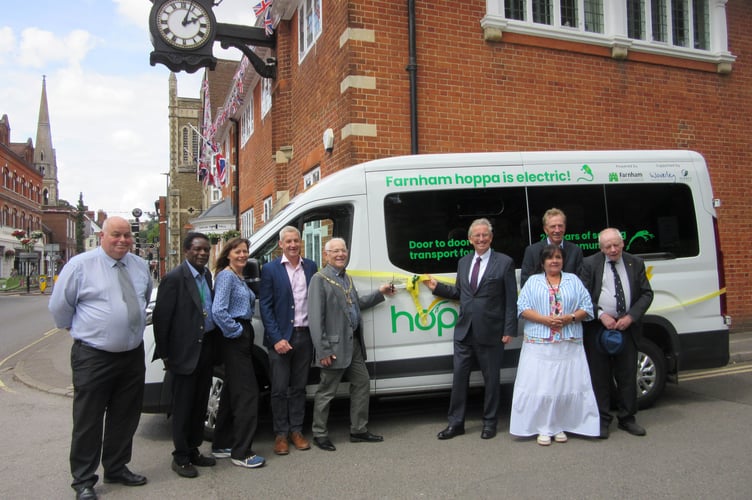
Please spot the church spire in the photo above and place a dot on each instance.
(44, 154)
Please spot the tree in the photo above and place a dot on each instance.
(80, 224)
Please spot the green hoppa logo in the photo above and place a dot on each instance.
(442, 316)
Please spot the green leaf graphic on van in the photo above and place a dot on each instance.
(588, 177)
(644, 234)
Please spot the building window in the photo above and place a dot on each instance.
(309, 26)
(189, 146)
(688, 29)
(585, 15)
(311, 178)
(246, 223)
(195, 144)
(266, 96)
(246, 121)
(267, 209)
(312, 240)
(664, 20)
(184, 151)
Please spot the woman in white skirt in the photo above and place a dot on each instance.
(552, 393)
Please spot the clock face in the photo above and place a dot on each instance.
(183, 24)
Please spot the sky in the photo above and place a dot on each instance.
(107, 104)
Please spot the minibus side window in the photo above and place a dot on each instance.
(583, 205)
(426, 231)
(316, 227)
(656, 219)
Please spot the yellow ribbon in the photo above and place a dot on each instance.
(412, 285)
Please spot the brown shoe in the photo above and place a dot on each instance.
(299, 441)
(280, 445)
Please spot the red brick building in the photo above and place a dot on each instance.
(500, 75)
(20, 198)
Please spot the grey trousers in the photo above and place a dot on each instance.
(357, 375)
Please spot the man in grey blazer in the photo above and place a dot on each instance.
(487, 291)
(555, 226)
(337, 332)
(599, 275)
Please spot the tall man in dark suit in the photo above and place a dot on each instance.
(621, 294)
(283, 302)
(487, 291)
(555, 226)
(185, 341)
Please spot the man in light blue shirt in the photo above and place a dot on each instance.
(101, 298)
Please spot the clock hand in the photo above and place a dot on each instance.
(188, 13)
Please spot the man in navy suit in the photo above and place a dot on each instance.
(185, 341)
(283, 302)
(633, 291)
(487, 291)
(555, 226)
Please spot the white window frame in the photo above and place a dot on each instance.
(311, 178)
(246, 223)
(309, 26)
(267, 209)
(246, 121)
(312, 236)
(266, 96)
(615, 29)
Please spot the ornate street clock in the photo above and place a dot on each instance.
(183, 33)
(184, 24)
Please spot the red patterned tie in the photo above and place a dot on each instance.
(474, 275)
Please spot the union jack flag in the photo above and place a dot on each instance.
(268, 23)
(260, 7)
(221, 170)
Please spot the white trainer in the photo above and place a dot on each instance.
(561, 437)
(544, 440)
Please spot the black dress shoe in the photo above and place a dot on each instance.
(488, 433)
(86, 493)
(451, 431)
(365, 437)
(632, 428)
(200, 460)
(324, 443)
(127, 478)
(184, 470)
(604, 432)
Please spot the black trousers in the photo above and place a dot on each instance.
(237, 417)
(108, 390)
(622, 368)
(489, 359)
(190, 394)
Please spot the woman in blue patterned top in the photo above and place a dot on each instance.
(237, 417)
(552, 391)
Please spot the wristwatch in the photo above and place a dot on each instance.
(574, 318)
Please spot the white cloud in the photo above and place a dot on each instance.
(135, 11)
(39, 48)
(7, 43)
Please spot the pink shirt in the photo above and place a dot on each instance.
(299, 290)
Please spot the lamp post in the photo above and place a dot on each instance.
(136, 228)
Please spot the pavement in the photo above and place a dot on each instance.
(45, 364)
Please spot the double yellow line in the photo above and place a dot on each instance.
(716, 372)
